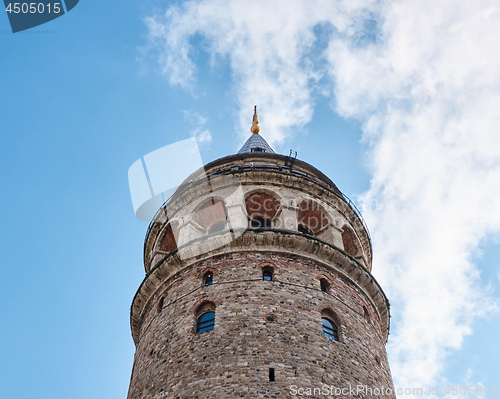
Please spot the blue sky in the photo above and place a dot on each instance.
(398, 105)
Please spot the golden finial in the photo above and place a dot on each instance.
(255, 122)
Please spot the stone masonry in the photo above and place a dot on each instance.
(267, 339)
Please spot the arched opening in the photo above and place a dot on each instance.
(261, 208)
(330, 324)
(325, 285)
(205, 317)
(217, 227)
(205, 322)
(350, 242)
(311, 218)
(168, 240)
(208, 278)
(211, 215)
(160, 305)
(330, 329)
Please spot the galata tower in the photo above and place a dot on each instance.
(258, 285)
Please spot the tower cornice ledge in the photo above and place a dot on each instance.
(281, 242)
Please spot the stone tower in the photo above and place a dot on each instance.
(258, 284)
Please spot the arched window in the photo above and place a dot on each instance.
(351, 243)
(211, 215)
(262, 208)
(205, 322)
(267, 274)
(160, 304)
(324, 285)
(312, 218)
(208, 278)
(330, 329)
(168, 239)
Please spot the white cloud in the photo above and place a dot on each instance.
(469, 387)
(265, 45)
(198, 122)
(429, 95)
(424, 79)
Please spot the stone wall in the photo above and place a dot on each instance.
(312, 233)
(233, 360)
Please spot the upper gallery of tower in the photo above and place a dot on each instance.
(255, 190)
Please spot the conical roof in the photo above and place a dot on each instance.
(256, 143)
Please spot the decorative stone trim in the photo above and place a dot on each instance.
(264, 265)
(327, 308)
(201, 301)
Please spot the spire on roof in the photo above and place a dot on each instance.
(255, 122)
(256, 142)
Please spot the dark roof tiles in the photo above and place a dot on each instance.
(256, 143)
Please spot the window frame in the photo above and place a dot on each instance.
(331, 332)
(210, 323)
(267, 274)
